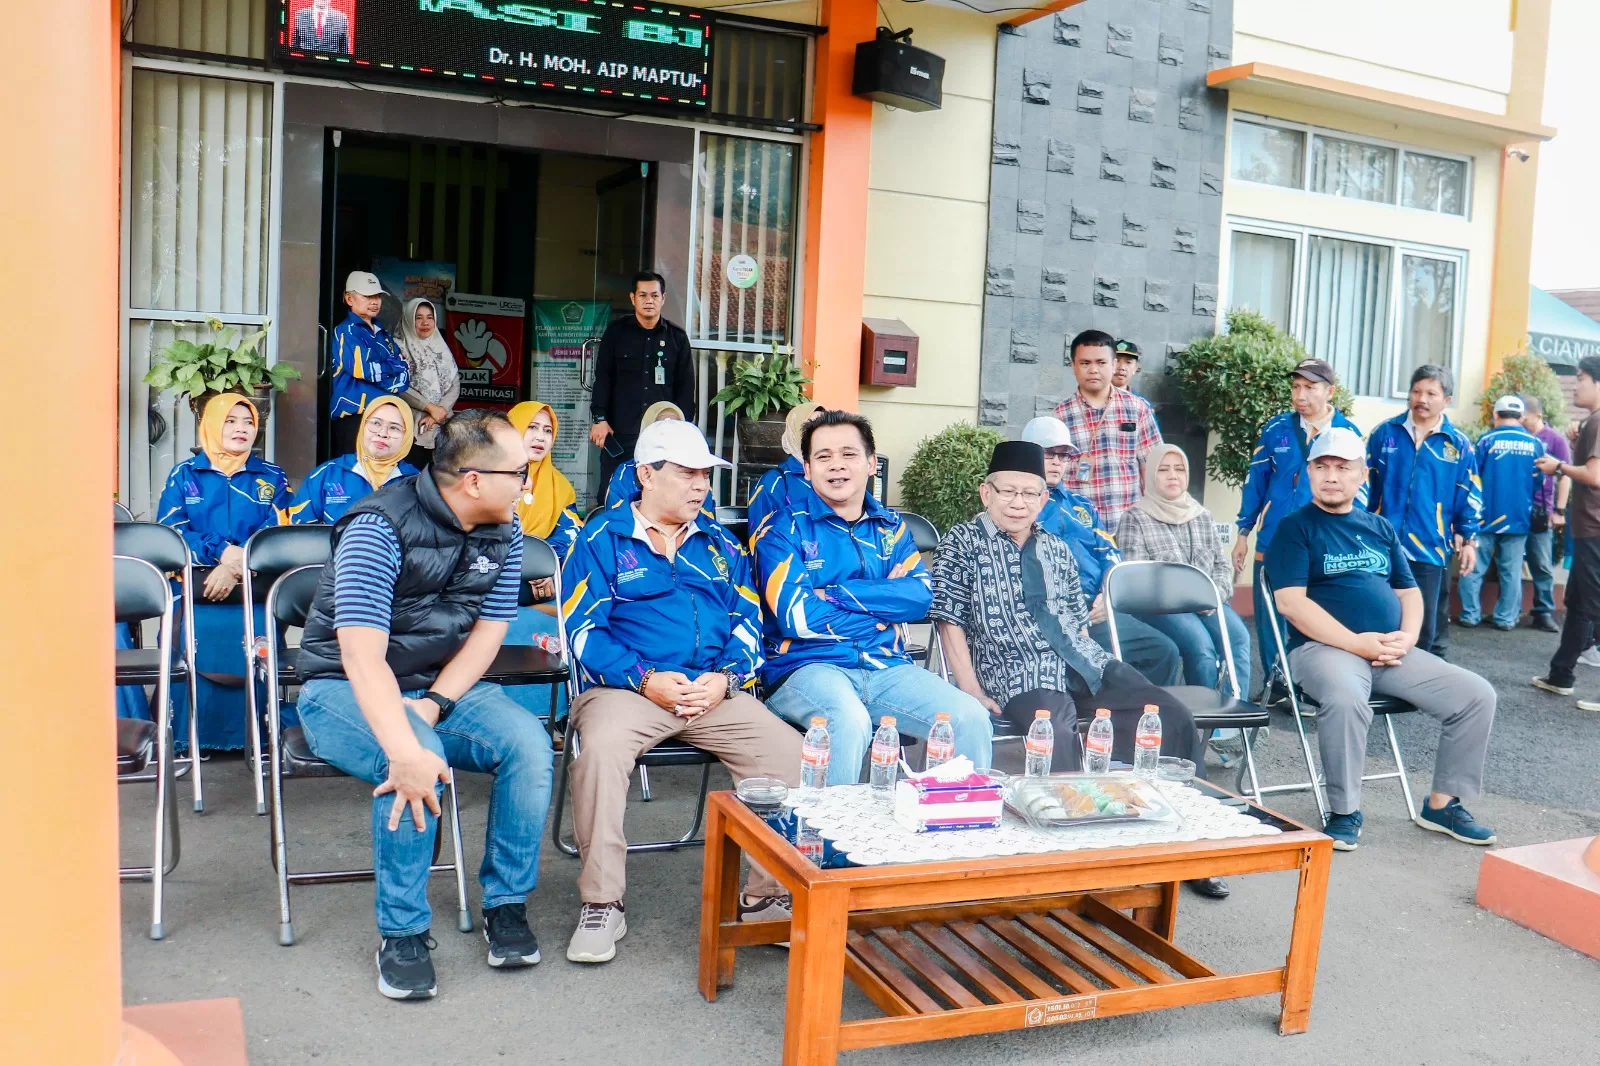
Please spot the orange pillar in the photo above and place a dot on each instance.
(61, 981)
(836, 208)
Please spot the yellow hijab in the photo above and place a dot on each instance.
(217, 410)
(548, 492)
(656, 412)
(377, 469)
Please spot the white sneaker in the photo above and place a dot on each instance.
(600, 926)
(1591, 657)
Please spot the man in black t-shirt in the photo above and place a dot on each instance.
(1342, 581)
(643, 358)
(1583, 517)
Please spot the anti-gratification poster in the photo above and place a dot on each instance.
(566, 335)
(486, 335)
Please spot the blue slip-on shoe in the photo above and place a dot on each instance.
(1345, 829)
(1454, 820)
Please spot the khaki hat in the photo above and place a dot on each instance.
(363, 283)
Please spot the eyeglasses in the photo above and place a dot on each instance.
(388, 429)
(519, 472)
(1008, 495)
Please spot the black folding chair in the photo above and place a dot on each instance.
(736, 520)
(1385, 707)
(1145, 587)
(142, 593)
(288, 603)
(120, 513)
(520, 664)
(926, 537)
(270, 553)
(164, 548)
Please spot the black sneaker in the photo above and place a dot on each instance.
(511, 942)
(404, 969)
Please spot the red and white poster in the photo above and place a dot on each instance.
(486, 334)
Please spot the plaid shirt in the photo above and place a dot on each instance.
(1114, 441)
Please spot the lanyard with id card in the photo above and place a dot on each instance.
(661, 369)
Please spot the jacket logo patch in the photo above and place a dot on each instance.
(720, 563)
(1081, 513)
(482, 565)
(1451, 453)
(627, 559)
(336, 490)
(265, 491)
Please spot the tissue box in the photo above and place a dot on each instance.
(923, 806)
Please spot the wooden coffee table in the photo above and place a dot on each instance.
(983, 945)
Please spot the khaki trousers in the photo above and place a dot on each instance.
(616, 727)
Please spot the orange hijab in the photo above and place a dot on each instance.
(217, 410)
(547, 492)
(378, 470)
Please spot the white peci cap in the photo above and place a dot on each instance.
(1339, 442)
(1048, 431)
(675, 442)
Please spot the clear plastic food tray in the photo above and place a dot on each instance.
(1068, 800)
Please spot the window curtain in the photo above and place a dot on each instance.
(199, 171)
(1428, 313)
(1261, 275)
(1352, 169)
(1347, 310)
(222, 27)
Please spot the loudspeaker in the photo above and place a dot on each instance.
(892, 71)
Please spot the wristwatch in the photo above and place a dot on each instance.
(735, 682)
(447, 706)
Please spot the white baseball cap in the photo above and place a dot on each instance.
(1509, 405)
(675, 442)
(363, 283)
(1339, 442)
(1048, 431)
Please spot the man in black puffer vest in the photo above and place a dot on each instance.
(408, 616)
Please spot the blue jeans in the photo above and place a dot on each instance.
(487, 734)
(1199, 642)
(1505, 550)
(1544, 578)
(1147, 650)
(1434, 583)
(852, 701)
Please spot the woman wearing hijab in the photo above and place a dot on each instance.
(544, 510)
(780, 487)
(333, 488)
(624, 484)
(216, 500)
(1169, 525)
(435, 378)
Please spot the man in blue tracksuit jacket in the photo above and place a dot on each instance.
(1505, 458)
(364, 361)
(1423, 477)
(1073, 518)
(1277, 485)
(841, 576)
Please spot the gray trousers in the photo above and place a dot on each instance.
(1341, 684)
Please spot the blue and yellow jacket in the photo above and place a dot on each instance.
(837, 592)
(332, 489)
(213, 511)
(1277, 486)
(366, 364)
(1430, 495)
(564, 536)
(624, 484)
(778, 490)
(628, 609)
(1073, 518)
(1505, 457)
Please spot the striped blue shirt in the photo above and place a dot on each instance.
(366, 566)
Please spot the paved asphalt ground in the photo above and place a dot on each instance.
(1411, 971)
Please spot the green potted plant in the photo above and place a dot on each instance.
(760, 392)
(219, 364)
(1525, 375)
(1235, 381)
(941, 481)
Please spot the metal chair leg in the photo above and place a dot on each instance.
(1305, 750)
(193, 682)
(253, 732)
(463, 913)
(568, 749)
(1250, 763)
(280, 845)
(1400, 766)
(165, 822)
(644, 784)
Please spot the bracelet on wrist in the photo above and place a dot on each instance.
(645, 680)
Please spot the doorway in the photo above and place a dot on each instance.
(527, 257)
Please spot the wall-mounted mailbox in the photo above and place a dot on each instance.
(888, 352)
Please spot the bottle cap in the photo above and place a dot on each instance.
(1151, 708)
(1041, 713)
(887, 720)
(942, 716)
(1102, 712)
(817, 719)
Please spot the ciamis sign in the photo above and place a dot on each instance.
(652, 55)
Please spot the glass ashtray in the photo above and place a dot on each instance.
(763, 795)
(1172, 768)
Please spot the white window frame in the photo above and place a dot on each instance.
(1301, 235)
(1402, 149)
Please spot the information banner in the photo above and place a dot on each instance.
(561, 329)
(486, 333)
(403, 279)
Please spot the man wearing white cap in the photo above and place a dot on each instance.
(1074, 519)
(1506, 457)
(366, 361)
(665, 626)
(1343, 581)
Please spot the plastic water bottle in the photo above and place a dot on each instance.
(1147, 743)
(814, 753)
(1040, 745)
(1097, 746)
(941, 745)
(885, 759)
(808, 840)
